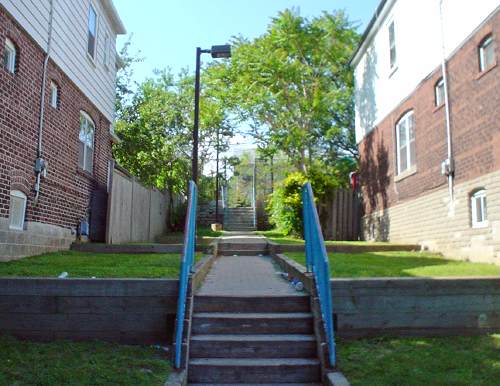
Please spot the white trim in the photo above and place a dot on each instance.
(11, 51)
(22, 196)
(481, 196)
(406, 120)
(54, 95)
(86, 145)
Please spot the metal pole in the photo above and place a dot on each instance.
(254, 193)
(217, 179)
(194, 166)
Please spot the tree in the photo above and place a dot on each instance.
(294, 85)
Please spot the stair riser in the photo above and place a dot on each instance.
(255, 304)
(250, 247)
(238, 349)
(241, 253)
(254, 374)
(254, 326)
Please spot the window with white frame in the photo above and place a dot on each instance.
(486, 53)
(92, 32)
(9, 55)
(392, 46)
(86, 142)
(17, 210)
(439, 92)
(405, 141)
(478, 209)
(54, 95)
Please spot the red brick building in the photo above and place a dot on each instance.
(429, 139)
(56, 112)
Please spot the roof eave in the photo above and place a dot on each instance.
(114, 17)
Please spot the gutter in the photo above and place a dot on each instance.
(40, 164)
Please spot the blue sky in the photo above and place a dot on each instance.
(167, 32)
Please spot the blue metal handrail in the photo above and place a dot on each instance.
(317, 262)
(186, 269)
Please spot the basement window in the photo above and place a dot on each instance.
(486, 53)
(478, 209)
(9, 56)
(17, 210)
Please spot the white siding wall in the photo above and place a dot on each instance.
(418, 45)
(69, 44)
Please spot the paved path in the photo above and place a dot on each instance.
(245, 276)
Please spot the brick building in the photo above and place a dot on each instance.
(57, 93)
(429, 140)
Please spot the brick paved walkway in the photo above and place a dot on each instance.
(245, 276)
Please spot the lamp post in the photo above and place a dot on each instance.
(223, 51)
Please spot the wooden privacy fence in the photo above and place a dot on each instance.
(135, 213)
(340, 215)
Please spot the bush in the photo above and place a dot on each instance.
(285, 203)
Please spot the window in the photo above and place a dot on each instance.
(486, 53)
(92, 32)
(86, 142)
(392, 45)
(478, 209)
(9, 56)
(54, 95)
(439, 92)
(405, 140)
(17, 210)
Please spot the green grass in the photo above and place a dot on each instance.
(399, 263)
(280, 238)
(69, 363)
(99, 265)
(467, 361)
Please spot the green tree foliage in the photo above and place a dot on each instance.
(295, 86)
(285, 203)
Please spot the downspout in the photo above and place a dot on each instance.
(449, 167)
(40, 163)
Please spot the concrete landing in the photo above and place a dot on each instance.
(245, 276)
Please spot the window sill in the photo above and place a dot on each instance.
(405, 174)
(486, 71)
(437, 108)
(481, 225)
(85, 173)
(11, 228)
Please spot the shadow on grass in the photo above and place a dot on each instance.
(399, 264)
(421, 361)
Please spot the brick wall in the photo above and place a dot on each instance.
(65, 192)
(474, 125)
(416, 208)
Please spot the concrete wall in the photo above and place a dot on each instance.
(36, 238)
(136, 213)
(433, 222)
(131, 311)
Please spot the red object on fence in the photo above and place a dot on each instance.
(354, 177)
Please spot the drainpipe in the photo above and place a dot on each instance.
(40, 164)
(448, 167)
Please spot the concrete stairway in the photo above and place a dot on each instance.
(238, 219)
(252, 340)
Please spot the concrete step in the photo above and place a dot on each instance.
(255, 384)
(242, 252)
(239, 228)
(249, 246)
(253, 346)
(268, 370)
(252, 304)
(252, 323)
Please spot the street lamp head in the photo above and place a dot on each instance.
(221, 51)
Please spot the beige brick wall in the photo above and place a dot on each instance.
(432, 222)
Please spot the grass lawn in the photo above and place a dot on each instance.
(205, 236)
(399, 263)
(280, 238)
(90, 363)
(100, 265)
(467, 361)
